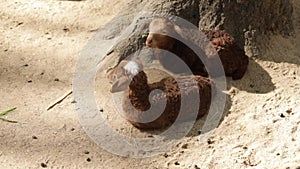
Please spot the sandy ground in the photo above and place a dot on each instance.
(39, 44)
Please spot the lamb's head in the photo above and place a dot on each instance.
(122, 75)
(160, 32)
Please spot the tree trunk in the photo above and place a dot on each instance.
(248, 21)
(133, 16)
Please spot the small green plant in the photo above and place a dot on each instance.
(5, 113)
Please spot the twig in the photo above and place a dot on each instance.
(58, 101)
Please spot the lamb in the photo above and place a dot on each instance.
(159, 101)
(161, 30)
(233, 58)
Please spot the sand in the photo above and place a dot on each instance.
(40, 43)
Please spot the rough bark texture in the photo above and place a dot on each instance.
(186, 9)
(247, 20)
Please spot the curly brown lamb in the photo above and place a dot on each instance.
(233, 58)
(162, 100)
(161, 36)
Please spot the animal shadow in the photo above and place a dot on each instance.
(212, 120)
(255, 80)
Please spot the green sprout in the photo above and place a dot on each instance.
(5, 113)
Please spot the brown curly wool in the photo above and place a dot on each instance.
(233, 58)
(142, 101)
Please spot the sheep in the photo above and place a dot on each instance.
(142, 101)
(232, 57)
(160, 32)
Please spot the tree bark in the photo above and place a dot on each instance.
(133, 16)
(248, 21)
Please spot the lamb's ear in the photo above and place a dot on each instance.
(116, 71)
(120, 85)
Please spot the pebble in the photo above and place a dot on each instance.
(185, 146)
(289, 111)
(196, 167)
(44, 165)
(66, 29)
(176, 163)
(209, 141)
